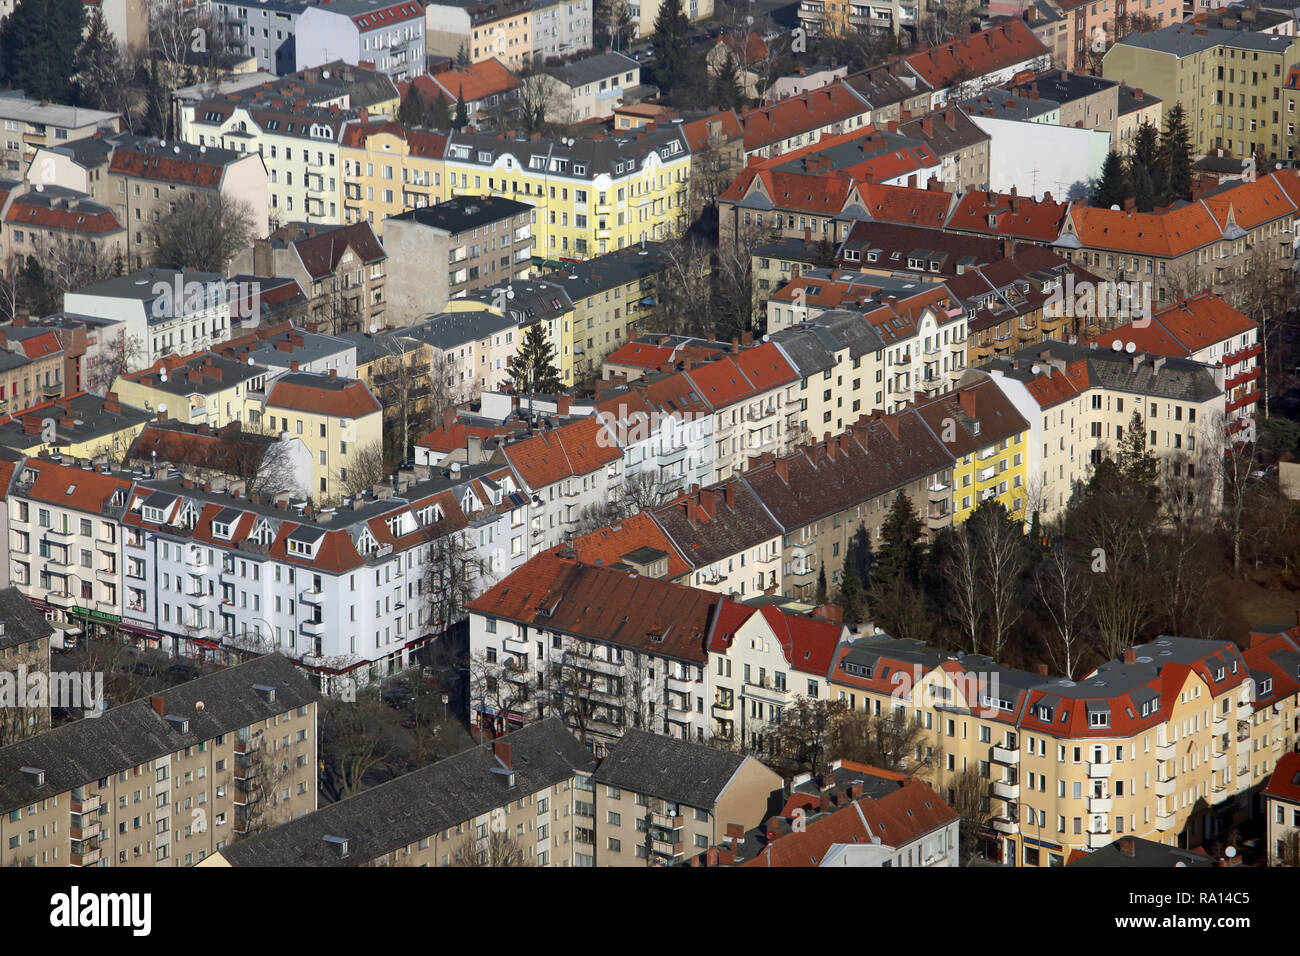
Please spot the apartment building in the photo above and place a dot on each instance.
(637, 543)
(231, 454)
(664, 430)
(989, 440)
(388, 36)
(1007, 216)
(1229, 83)
(834, 355)
(593, 196)
(342, 270)
(167, 780)
(640, 626)
(487, 89)
(283, 347)
(1079, 400)
(733, 545)
(1166, 743)
(761, 661)
(25, 641)
(29, 125)
(338, 419)
(471, 349)
(521, 800)
(484, 240)
(1092, 102)
(1205, 329)
(299, 144)
(525, 304)
(970, 64)
(482, 29)
(57, 224)
(834, 18)
(850, 815)
(1207, 245)
(142, 180)
(802, 120)
(388, 169)
(660, 799)
(823, 491)
(1282, 809)
(611, 295)
(32, 370)
(560, 28)
(162, 311)
(646, 12)
(960, 145)
(594, 86)
(198, 389)
(79, 425)
(265, 30)
(1138, 108)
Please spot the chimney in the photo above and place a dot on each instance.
(293, 365)
(1130, 656)
(562, 404)
(772, 832)
(449, 416)
(1127, 846)
(1042, 670)
(927, 124)
(729, 495)
(782, 469)
(966, 397)
(157, 704)
(502, 751)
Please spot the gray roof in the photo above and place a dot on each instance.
(465, 212)
(1178, 379)
(1135, 851)
(14, 105)
(180, 382)
(447, 330)
(592, 69)
(315, 345)
(89, 416)
(22, 622)
(804, 348)
(1185, 39)
(526, 300)
(132, 734)
(1005, 104)
(848, 328)
(674, 770)
(1129, 102)
(616, 156)
(420, 804)
(143, 286)
(581, 279)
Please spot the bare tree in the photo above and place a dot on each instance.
(366, 468)
(683, 286)
(1065, 593)
(497, 848)
(453, 576)
(968, 795)
(351, 745)
(964, 588)
(542, 104)
(1001, 546)
(204, 232)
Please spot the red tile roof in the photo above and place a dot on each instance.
(604, 604)
(320, 249)
(904, 205)
(700, 132)
(809, 111)
(74, 218)
(1250, 204)
(353, 400)
(1284, 782)
(607, 546)
(577, 448)
(386, 16)
(71, 487)
(1015, 217)
(973, 56)
(475, 82)
(127, 162)
(1183, 328)
(1167, 234)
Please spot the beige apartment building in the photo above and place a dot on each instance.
(517, 803)
(660, 800)
(190, 771)
(1282, 808)
(24, 648)
(1167, 743)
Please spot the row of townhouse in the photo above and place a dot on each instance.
(212, 572)
(1169, 743)
(167, 780)
(536, 797)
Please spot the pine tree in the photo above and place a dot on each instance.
(1112, 188)
(1137, 465)
(670, 35)
(1146, 145)
(440, 115)
(822, 591)
(412, 111)
(1176, 157)
(1144, 189)
(532, 370)
(825, 255)
(851, 596)
(728, 92)
(38, 48)
(898, 558)
(101, 72)
(461, 119)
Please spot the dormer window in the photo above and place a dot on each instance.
(1265, 688)
(1099, 718)
(1218, 674)
(221, 529)
(1045, 714)
(152, 515)
(302, 549)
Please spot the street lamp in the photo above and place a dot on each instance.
(445, 698)
(1038, 827)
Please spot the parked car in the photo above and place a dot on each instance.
(184, 672)
(398, 697)
(141, 668)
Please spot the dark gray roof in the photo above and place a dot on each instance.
(127, 736)
(729, 531)
(1128, 100)
(804, 349)
(1146, 853)
(616, 156)
(526, 301)
(22, 622)
(674, 770)
(447, 330)
(1184, 39)
(592, 69)
(581, 279)
(419, 804)
(1177, 379)
(465, 212)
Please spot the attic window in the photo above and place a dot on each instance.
(221, 529)
(302, 549)
(1045, 714)
(1265, 688)
(1099, 718)
(152, 515)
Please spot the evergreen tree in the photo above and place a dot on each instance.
(1175, 157)
(851, 596)
(1146, 146)
(532, 371)
(825, 255)
(728, 91)
(440, 115)
(461, 119)
(462, 56)
(900, 552)
(670, 36)
(1144, 189)
(822, 591)
(1137, 465)
(412, 111)
(38, 48)
(1112, 188)
(101, 73)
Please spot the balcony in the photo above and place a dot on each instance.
(60, 599)
(665, 848)
(1164, 822)
(668, 821)
(311, 596)
(1099, 804)
(681, 685)
(1006, 791)
(1009, 756)
(1098, 839)
(1220, 724)
(720, 708)
(64, 532)
(1099, 771)
(1005, 825)
(1166, 751)
(1166, 787)
(86, 830)
(86, 804)
(1219, 762)
(86, 857)
(314, 628)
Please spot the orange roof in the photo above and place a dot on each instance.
(1183, 328)
(904, 205)
(1284, 782)
(299, 392)
(1250, 204)
(824, 194)
(698, 132)
(38, 346)
(71, 487)
(1174, 232)
(166, 168)
(977, 54)
(800, 114)
(1016, 217)
(607, 546)
(75, 218)
(577, 448)
(474, 82)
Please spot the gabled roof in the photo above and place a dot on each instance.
(1014, 217)
(321, 247)
(1183, 328)
(475, 82)
(576, 448)
(1168, 234)
(677, 771)
(1284, 782)
(978, 54)
(609, 545)
(809, 111)
(322, 395)
(708, 529)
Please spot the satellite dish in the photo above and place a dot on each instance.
(1035, 369)
(1117, 345)
(162, 409)
(1114, 208)
(1230, 852)
(250, 360)
(373, 328)
(162, 375)
(40, 188)
(1131, 348)
(198, 705)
